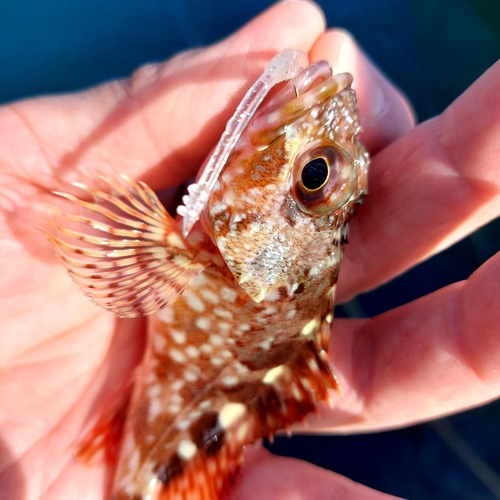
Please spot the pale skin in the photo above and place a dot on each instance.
(61, 357)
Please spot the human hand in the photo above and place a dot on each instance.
(61, 357)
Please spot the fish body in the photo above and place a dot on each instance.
(242, 306)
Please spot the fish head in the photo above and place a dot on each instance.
(279, 210)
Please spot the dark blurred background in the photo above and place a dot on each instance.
(432, 49)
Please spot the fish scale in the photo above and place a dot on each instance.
(241, 308)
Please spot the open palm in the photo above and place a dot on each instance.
(62, 358)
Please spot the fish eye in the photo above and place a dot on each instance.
(315, 174)
(324, 179)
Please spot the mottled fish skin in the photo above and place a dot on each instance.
(237, 349)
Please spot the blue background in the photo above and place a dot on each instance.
(432, 49)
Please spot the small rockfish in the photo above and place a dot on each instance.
(242, 306)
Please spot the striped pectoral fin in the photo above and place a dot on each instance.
(125, 252)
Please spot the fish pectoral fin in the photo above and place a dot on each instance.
(125, 251)
(200, 449)
(104, 433)
(203, 476)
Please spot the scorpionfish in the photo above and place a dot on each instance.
(241, 308)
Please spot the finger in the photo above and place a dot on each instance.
(427, 190)
(161, 123)
(385, 112)
(269, 477)
(431, 357)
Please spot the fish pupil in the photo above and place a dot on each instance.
(315, 174)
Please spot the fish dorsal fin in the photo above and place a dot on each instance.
(126, 252)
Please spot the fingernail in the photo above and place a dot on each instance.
(348, 57)
(342, 52)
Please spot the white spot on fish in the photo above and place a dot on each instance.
(206, 348)
(269, 310)
(241, 369)
(134, 459)
(154, 409)
(228, 294)
(296, 393)
(216, 340)
(223, 313)
(216, 361)
(154, 390)
(313, 365)
(194, 302)
(177, 385)
(178, 336)
(228, 195)
(173, 409)
(200, 280)
(224, 328)
(230, 380)
(308, 329)
(272, 296)
(314, 271)
(265, 344)
(177, 355)
(273, 374)
(194, 414)
(209, 296)
(218, 208)
(190, 375)
(176, 399)
(192, 351)
(186, 450)
(202, 323)
(230, 413)
(242, 431)
(183, 425)
(205, 405)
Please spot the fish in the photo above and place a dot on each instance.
(240, 309)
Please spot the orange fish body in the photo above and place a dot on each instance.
(242, 306)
